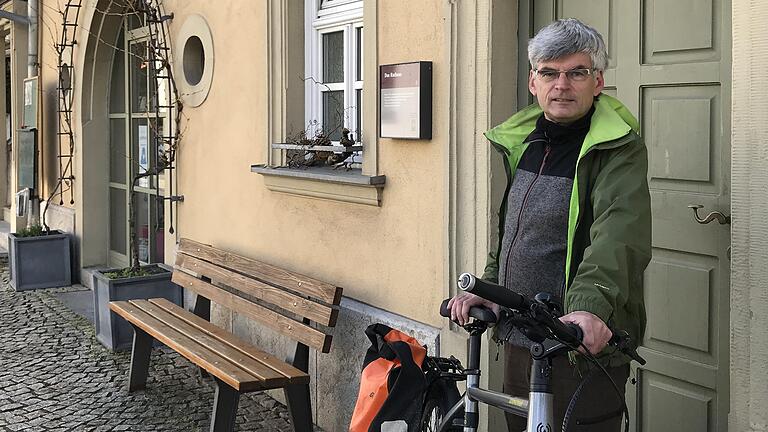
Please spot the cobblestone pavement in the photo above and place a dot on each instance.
(55, 376)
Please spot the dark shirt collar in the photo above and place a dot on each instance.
(556, 132)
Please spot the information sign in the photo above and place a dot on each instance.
(405, 100)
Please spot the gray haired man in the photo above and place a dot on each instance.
(575, 221)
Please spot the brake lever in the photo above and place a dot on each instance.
(623, 342)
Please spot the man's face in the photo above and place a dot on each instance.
(566, 100)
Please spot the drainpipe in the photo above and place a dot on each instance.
(32, 6)
(31, 20)
(34, 201)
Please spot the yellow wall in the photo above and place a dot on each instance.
(49, 34)
(390, 256)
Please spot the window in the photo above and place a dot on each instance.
(363, 184)
(333, 64)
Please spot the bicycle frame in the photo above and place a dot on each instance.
(538, 408)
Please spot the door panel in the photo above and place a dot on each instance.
(136, 131)
(670, 64)
(680, 31)
(118, 215)
(682, 127)
(674, 405)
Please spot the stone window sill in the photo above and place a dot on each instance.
(324, 183)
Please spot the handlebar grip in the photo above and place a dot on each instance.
(493, 292)
(481, 313)
(444, 311)
(575, 332)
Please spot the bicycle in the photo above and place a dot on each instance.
(445, 410)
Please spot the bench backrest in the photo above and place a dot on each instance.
(284, 301)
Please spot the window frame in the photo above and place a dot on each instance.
(285, 62)
(345, 16)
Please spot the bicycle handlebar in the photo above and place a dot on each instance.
(490, 291)
(510, 299)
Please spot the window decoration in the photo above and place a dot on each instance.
(195, 60)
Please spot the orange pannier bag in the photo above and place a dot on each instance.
(392, 385)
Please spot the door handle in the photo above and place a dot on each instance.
(716, 215)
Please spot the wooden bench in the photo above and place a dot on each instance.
(283, 301)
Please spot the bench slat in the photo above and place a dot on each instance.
(294, 375)
(280, 323)
(254, 366)
(268, 273)
(215, 364)
(304, 307)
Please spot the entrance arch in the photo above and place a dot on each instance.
(93, 72)
(122, 107)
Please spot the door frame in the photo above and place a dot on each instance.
(135, 37)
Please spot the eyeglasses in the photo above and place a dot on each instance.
(550, 75)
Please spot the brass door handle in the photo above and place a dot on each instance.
(716, 215)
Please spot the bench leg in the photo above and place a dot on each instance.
(142, 348)
(203, 310)
(224, 407)
(297, 396)
(299, 407)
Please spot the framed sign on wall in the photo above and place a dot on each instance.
(405, 100)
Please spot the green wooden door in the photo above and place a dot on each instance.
(670, 64)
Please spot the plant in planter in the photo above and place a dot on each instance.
(39, 258)
(137, 281)
(142, 279)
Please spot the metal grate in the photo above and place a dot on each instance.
(160, 67)
(65, 147)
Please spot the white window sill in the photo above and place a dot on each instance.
(324, 183)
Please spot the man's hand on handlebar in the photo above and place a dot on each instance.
(596, 332)
(460, 305)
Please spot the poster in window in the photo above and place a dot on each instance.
(143, 154)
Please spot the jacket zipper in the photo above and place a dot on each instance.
(595, 147)
(547, 149)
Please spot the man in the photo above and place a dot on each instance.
(575, 221)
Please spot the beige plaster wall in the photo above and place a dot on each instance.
(389, 256)
(749, 234)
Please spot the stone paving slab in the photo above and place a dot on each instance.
(55, 376)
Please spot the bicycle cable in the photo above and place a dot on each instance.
(574, 398)
(591, 358)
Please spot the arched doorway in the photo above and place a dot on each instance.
(135, 124)
(123, 108)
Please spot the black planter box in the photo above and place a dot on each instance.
(40, 262)
(113, 331)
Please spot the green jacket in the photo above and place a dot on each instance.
(609, 223)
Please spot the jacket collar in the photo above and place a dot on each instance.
(611, 121)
